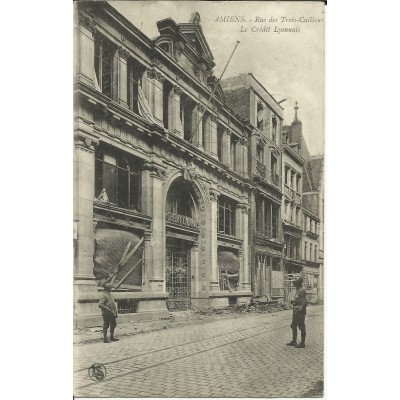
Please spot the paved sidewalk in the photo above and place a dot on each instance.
(238, 356)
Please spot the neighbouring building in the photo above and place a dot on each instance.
(251, 101)
(313, 208)
(292, 186)
(162, 187)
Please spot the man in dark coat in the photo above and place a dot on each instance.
(109, 312)
(299, 313)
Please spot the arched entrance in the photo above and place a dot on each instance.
(182, 230)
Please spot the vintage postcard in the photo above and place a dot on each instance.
(199, 198)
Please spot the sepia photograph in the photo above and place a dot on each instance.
(198, 199)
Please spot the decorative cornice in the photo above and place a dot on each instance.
(156, 62)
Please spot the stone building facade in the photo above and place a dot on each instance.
(247, 96)
(162, 186)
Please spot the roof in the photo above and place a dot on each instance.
(314, 168)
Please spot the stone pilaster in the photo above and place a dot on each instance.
(226, 151)
(245, 155)
(214, 136)
(84, 169)
(213, 230)
(123, 77)
(155, 271)
(84, 45)
(174, 119)
(148, 258)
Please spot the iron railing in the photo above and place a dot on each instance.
(182, 220)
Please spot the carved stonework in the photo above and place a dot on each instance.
(195, 18)
(151, 73)
(179, 49)
(123, 53)
(189, 172)
(156, 62)
(160, 77)
(214, 195)
(156, 171)
(178, 90)
(200, 108)
(147, 235)
(214, 118)
(89, 23)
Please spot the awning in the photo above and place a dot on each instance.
(227, 261)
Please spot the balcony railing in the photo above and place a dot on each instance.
(269, 232)
(261, 169)
(182, 220)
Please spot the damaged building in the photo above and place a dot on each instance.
(188, 192)
(161, 181)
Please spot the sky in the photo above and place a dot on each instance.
(290, 65)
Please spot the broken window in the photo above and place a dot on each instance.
(119, 175)
(226, 216)
(105, 66)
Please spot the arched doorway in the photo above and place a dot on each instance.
(182, 230)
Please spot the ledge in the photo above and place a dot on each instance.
(230, 294)
(94, 297)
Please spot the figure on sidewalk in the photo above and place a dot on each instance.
(109, 312)
(299, 313)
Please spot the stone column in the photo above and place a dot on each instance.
(84, 169)
(84, 44)
(174, 119)
(212, 232)
(197, 126)
(123, 77)
(214, 136)
(226, 151)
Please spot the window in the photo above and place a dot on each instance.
(260, 154)
(104, 66)
(135, 77)
(315, 253)
(260, 117)
(233, 153)
(179, 200)
(298, 177)
(310, 252)
(274, 125)
(226, 216)
(286, 175)
(220, 141)
(305, 250)
(119, 174)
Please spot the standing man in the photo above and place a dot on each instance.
(299, 313)
(109, 312)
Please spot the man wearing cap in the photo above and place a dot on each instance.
(109, 312)
(299, 313)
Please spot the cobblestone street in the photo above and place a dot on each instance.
(244, 356)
